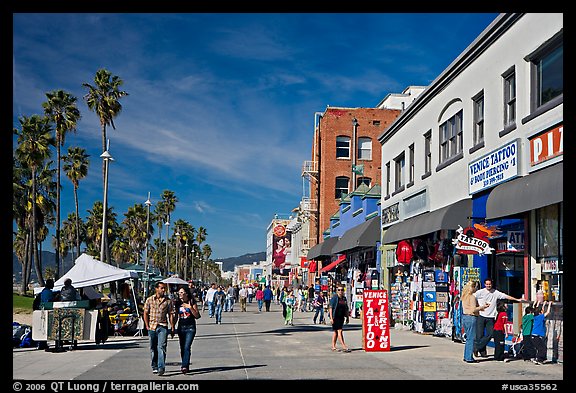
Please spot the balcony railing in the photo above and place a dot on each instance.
(309, 205)
(310, 168)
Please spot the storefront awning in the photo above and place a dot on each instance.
(338, 260)
(533, 191)
(366, 234)
(448, 217)
(323, 249)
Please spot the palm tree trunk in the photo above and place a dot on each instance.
(77, 221)
(57, 256)
(37, 265)
(26, 265)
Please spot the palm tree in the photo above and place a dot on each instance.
(34, 141)
(201, 235)
(135, 230)
(94, 228)
(169, 200)
(62, 111)
(76, 167)
(206, 253)
(104, 99)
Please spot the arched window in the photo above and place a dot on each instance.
(342, 147)
(365, 180)
(364, 148)
(342, 186)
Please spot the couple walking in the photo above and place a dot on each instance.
(159, 310)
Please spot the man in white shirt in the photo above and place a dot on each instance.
(485, 321)
(210, 299)
(242, 295)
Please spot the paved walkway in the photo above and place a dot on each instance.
(258, 346)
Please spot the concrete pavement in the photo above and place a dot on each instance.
(258, 346)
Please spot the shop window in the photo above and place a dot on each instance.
(342, 147)
(549, 249)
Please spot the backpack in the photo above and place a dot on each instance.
(37, 301)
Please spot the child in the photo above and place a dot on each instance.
(499, 332)
(290, 302)
(539, 332)
(527, 322)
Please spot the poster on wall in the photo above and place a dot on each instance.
(281, 249)
(375, 324)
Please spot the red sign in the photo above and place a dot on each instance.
(376, 324)
(547, 145)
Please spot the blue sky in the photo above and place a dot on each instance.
(221, 106)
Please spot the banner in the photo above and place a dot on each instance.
(375, 323)
(281, 249)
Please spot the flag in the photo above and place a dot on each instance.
(358, 169)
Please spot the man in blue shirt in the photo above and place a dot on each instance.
(268, 295)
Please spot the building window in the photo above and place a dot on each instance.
(365, 180)
(428, 152)
(451, 137)
(547, 71)
(342, 186)
(387, 178)
(364, 148)
(400, 169)
(342, 147)
(411, 162)
(509, 98)
(376, 122)
(478, 134)
(549, 235)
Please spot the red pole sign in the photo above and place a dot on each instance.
(376, 324)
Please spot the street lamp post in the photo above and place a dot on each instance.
(107, 158)
(354, 152)
(177, 234)
(186, 260)
(146, 276)
(167, 240)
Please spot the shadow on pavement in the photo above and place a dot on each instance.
(405, 347)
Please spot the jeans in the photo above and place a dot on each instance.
(158, 340)
(267, 303)
(319, 310)
(260, 304)
(229, 306)
(483, 338)
(469, 324)
(499, 344)
(218, 312)
(186, 336)
(210, 308)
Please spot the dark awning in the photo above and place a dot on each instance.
(338, 260)
(448, 217)
(366, 234)
(533, 191)
(323, 249)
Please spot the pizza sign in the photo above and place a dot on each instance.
(279, 230)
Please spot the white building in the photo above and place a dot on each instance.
(483, 144)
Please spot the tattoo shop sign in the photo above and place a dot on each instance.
(471, 241)
(375, 323)
(494, 168)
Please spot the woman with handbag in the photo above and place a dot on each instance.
(187, 313)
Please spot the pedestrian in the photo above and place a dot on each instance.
(338, 312)
(203, 298)
(290, 306)
(500, 331)
(68, 293)
(259, 298)
(277, 293)
(318, 304)
(311, 297)
(250, 293)
(219, 301)
(268, 295)
(283, 296)
(47, 295)
(528, 351)
(485, 321)
(210, 299)
(157, 310)
(470, 312)
(187, 313)
(242, 295)
(229, 298)
(539, 332)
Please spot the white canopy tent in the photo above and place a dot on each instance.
(88, 271)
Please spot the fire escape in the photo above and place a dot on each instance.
(309, 204)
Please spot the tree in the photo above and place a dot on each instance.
(76, 167)
(206, 253)
(34, 141)
(104, 99)
(169, 201)
(201, 238)
(62, 111)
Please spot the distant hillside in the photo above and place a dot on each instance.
(229, 263)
